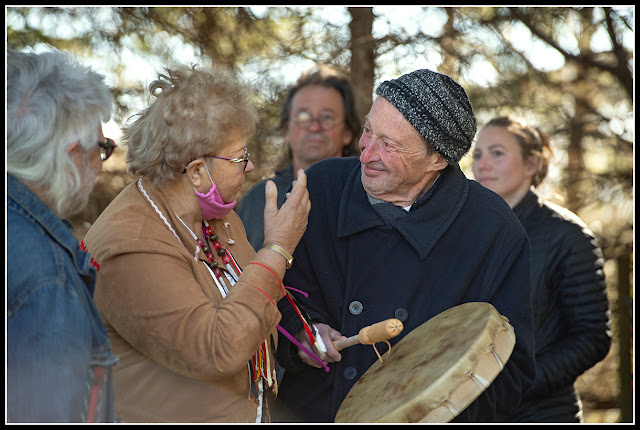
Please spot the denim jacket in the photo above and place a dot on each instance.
(59, 359)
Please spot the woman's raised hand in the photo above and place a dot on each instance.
(286, 226)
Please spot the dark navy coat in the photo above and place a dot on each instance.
(463, 244)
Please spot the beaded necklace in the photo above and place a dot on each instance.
(260, 363)
(231, 269)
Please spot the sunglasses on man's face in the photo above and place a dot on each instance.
(106, 148)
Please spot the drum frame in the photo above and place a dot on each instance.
(464, 379)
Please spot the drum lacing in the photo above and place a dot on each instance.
(495, 354)
(507, 326)
(480, 382)
(452, 408)
(513, 338)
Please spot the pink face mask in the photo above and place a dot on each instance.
(211, 203)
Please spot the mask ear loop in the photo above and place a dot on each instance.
(207, 170)
(208, 174)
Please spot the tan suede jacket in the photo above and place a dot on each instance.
(183, 349)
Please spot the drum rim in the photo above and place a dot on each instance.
(492, 318)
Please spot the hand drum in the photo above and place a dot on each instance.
(435, 371)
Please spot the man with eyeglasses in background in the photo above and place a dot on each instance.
(59, 359)
(318, 120)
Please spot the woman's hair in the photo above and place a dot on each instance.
(533, 143)
(327, 77)
(193, 114)
(52, 102)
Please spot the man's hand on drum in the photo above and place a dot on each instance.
(328, 336)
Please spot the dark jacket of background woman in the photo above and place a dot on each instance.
(570, 308)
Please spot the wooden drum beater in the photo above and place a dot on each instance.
(369, 335)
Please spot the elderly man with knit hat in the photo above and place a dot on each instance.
(402, 233)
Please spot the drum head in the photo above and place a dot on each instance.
(431, 365)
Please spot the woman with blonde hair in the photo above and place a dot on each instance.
(568, 289)
(190, 307)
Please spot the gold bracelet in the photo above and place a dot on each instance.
(280, 250)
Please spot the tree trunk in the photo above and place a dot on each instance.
(624, 312)
(576, 188)
(362, 57)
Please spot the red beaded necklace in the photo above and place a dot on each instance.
(227, 258)
(231, 270)
(260, 364)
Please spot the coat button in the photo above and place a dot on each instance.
(402, 314)
(355, 307)
(349, 373)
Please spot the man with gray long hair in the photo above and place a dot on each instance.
(59, 358)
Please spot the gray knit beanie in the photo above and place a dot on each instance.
(437, 107)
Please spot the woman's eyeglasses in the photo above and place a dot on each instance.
(106, 148)
(244, 159)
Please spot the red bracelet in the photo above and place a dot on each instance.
(274, 274)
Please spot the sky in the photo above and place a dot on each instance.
(408, 18)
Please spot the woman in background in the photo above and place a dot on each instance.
(570, 307)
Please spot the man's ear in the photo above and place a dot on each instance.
(347, 137)
(76, 154)
(437, 161)
(72, 147)
(194, 172)
(284, 132)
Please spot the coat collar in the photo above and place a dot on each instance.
(527, 205)
(59, 229)
(422, 227)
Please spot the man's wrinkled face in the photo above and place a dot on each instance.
(396, 165)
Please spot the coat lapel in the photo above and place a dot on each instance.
(422, 227)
